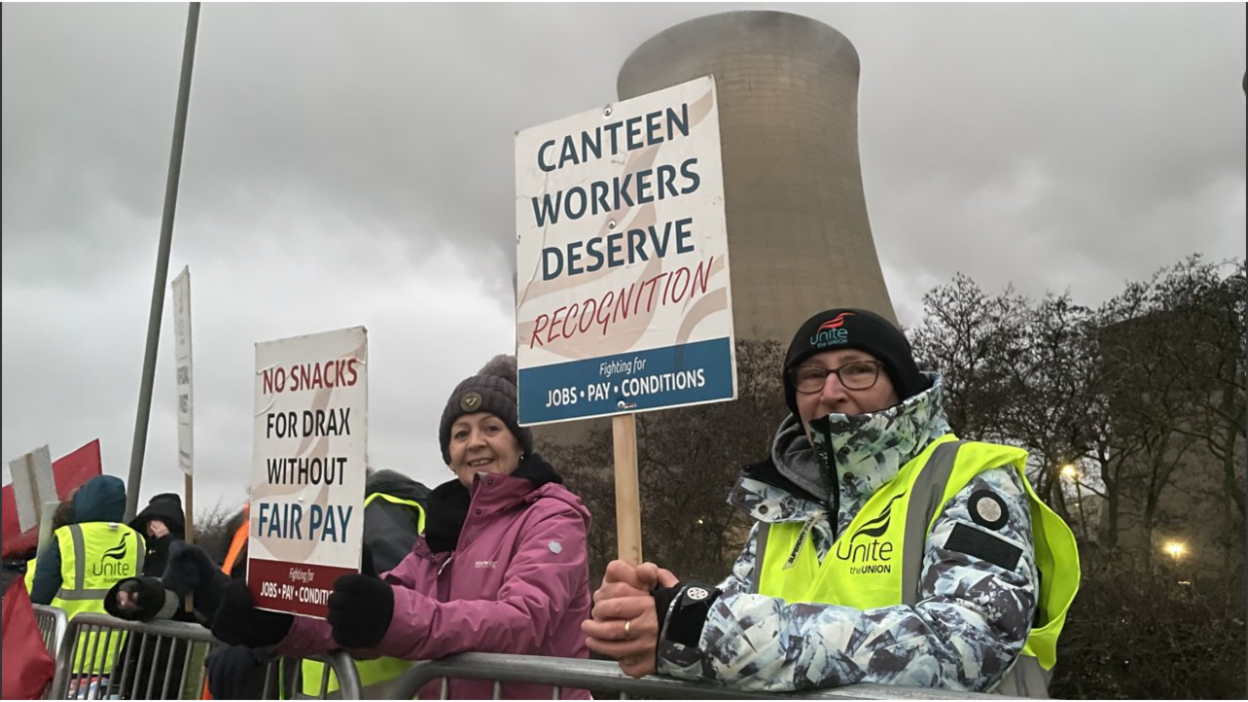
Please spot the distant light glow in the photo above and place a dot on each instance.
(1175, 549)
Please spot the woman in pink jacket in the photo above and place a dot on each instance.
(502, 567)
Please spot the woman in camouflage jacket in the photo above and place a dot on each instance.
(840, 445)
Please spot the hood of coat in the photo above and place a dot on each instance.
(100, 499)
(167, 507)
(395, 484)
(855, 455)
(451, 504)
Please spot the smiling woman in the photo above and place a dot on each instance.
(482, 444)
(501, 568)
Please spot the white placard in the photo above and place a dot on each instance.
(623, 301)
(33, 485)
(308, 470)
(185, 374)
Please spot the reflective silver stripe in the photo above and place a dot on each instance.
(926, 495)
(80, 556)
(760, 547)
(70, 595)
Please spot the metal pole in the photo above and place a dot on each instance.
(162, 265)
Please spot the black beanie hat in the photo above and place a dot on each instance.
(849, 328)
(492, 390)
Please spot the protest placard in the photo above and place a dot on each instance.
(622, 296)
(68, 472)
(182, 361)
(33, 485)
(308, 470)
(623, 303)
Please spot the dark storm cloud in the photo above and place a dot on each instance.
(353, 164)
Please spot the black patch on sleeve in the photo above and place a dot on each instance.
(986, 547)
(980, 506)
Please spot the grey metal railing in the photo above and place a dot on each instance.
(100, 656)
(604, 676)
(52, 626)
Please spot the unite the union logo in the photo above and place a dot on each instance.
(830, 333)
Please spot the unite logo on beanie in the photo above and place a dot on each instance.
(831, 333)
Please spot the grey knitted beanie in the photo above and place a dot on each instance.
(492, 390)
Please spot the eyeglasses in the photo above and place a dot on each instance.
(855, 375)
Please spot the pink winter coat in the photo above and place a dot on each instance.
(518, 582)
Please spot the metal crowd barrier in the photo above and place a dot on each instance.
(83, 646)
(90, 640)
(52, 626)
(605, 676)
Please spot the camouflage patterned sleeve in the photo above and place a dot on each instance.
(968, 627)
(738, 581)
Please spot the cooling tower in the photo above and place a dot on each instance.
(798, 233)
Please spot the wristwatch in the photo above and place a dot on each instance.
(689, 615)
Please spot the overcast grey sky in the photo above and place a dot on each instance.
(353, 164)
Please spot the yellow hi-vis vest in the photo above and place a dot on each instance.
(94, 557)
(878, 560)
(376, 672)
(30, 574)
(420, 511)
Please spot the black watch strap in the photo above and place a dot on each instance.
(663, 598)
(689, 615)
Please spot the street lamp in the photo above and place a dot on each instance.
(1070, 472)
(1175, 549)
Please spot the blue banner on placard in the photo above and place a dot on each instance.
(630, 382)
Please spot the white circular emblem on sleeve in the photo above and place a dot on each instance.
(555, 547)
(697, 593)
(988, 508)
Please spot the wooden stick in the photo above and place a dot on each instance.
(190, 529)
(627, 492)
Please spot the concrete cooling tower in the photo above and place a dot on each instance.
(798, 233)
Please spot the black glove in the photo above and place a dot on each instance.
(230, 671)
(145, 598)
(239, 622)
(189, 570)
(360, 609)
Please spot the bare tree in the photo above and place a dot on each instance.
(688, 459)
(1140, 393)
(1051, 400)
(973, 340)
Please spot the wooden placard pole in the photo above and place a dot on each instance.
(190, 529)
(627, 492)
(190, 510)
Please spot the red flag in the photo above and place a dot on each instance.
(69, 472)
(27, 666)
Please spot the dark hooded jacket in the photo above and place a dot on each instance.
(391, 528)
(166, 507)
(101, 499)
